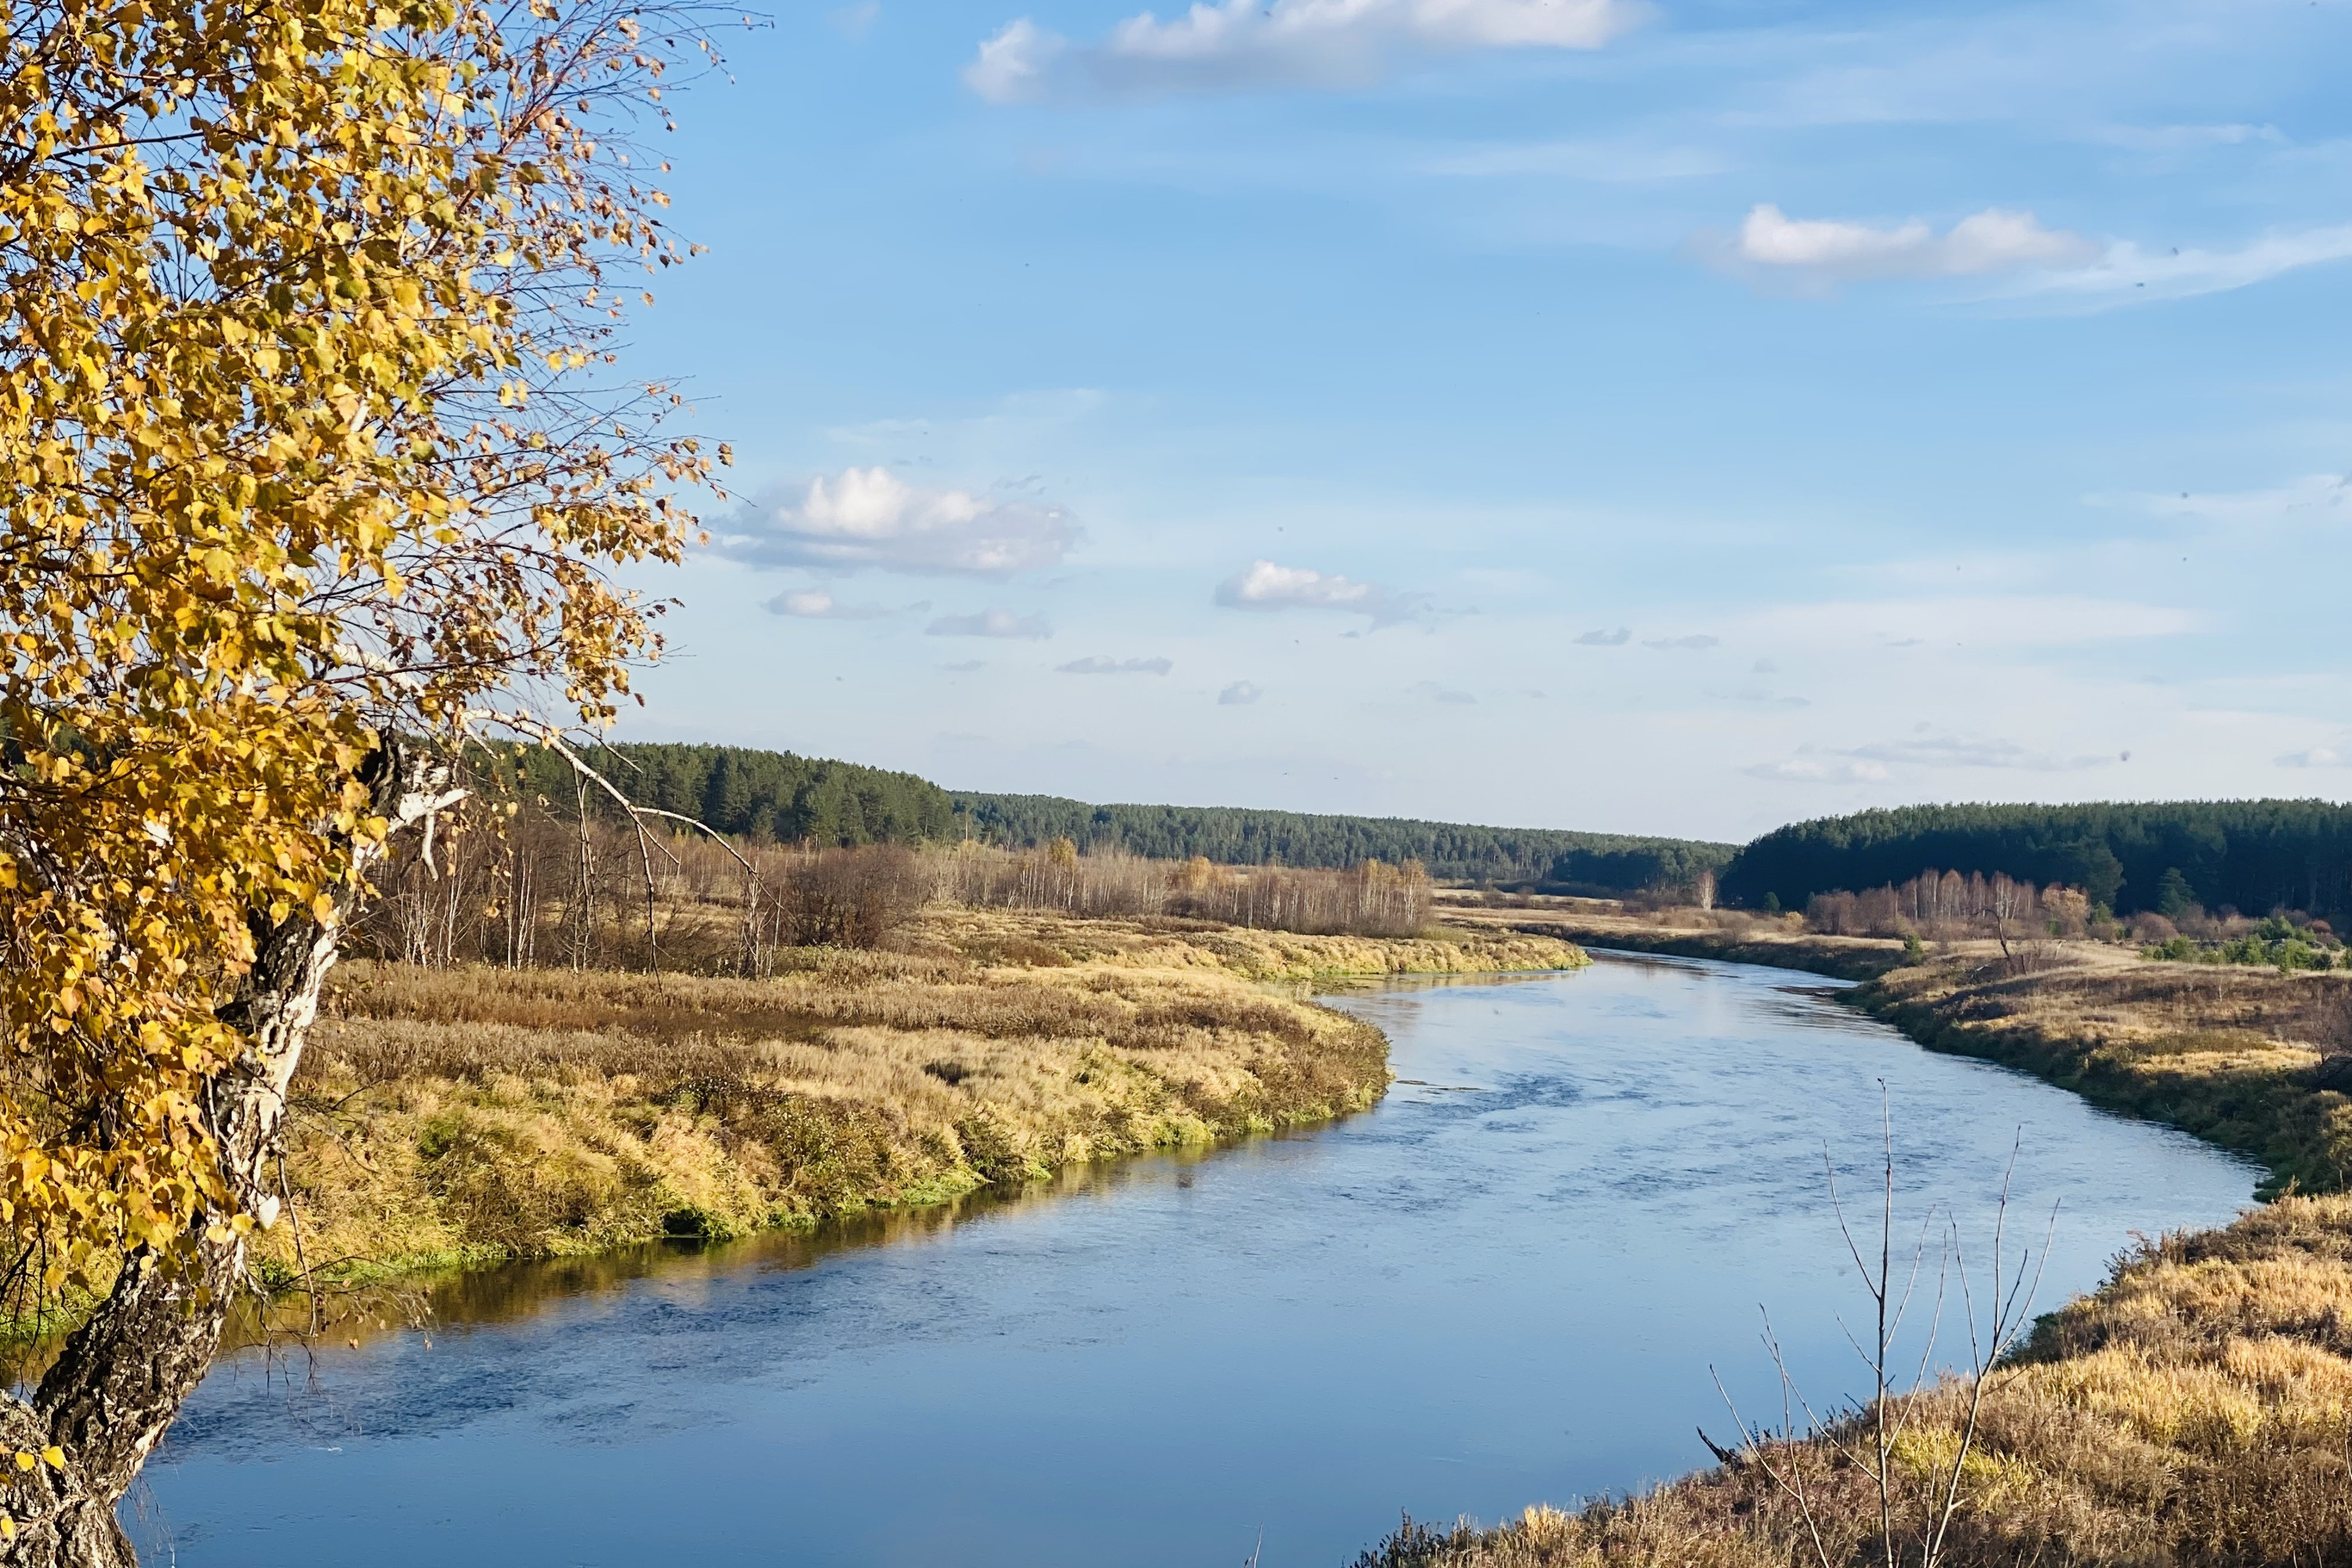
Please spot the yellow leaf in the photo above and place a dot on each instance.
(256, 526)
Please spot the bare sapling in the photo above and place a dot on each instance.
(1913, 1513)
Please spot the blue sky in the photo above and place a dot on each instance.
(1680, 417)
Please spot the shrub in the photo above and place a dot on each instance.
(845, 897)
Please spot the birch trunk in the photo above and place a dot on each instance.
(124, 1374)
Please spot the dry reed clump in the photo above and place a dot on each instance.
(476, 1113)
(1714, 1521)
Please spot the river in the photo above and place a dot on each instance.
(1506, 1284)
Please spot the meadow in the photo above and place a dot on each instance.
(2197, 1409)
(471, 1114)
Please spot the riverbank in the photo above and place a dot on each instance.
(2194, 1409)
(2231, 1055)
(468, 1116)
(1738, 939)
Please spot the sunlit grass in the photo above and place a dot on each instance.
(475, 1113)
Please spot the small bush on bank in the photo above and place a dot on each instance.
(2275, 945)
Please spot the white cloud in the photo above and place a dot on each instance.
(871, 517)
(1925, 748)
(2125, 274)
(1240, 694)
(1993, 240)
(2052, 264)
(1436, 693)
(816, 604)
(1949, 750)
(1099, 665)
(1253, 43)
(1617, 639)
(854, 21)
(990, 624)
(965, 667)
(1267, 586)
(2338, 755)
(1814, 769)
(1694, 642)
(1013, 67)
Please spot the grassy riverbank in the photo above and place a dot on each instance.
(2197, 1409)
(2231, 1055)
(1730, 936)
(469, 1115)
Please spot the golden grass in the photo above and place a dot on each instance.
(2227, 1054)
(1732, 935)
(475, 1114)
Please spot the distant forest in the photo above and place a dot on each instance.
(2252, 855)
(1233, 836)
(794, 799)
(762, 795)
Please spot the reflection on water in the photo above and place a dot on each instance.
(1506, 1284)
(474, 1298)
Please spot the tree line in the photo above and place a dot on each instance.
(2251, 855)
(765, 796)
(525, 889)
(781, 797)
(1235, 836)
(1370, 899)
(1946, 905)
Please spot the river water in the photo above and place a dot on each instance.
(1507, 1284)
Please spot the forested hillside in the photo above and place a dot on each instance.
(794, 799)
(2250, 855)
(768, 795)
(1235, 835)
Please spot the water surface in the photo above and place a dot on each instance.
(1507, 1284)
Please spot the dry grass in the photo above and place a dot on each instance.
(1733, 935)
(2233, 1055)
(476, 1113)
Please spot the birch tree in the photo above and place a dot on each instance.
(317, 463)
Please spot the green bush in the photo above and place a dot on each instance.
(2285, 953)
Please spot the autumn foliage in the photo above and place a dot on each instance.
(307, 421)
(291, 306)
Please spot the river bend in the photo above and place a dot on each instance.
(1506, 1284)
